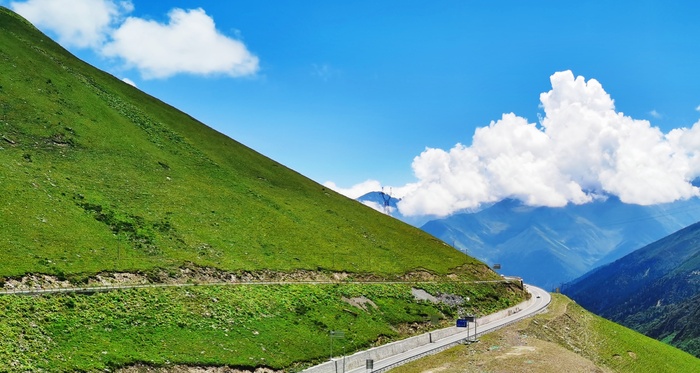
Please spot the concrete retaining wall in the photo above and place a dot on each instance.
(436, 335)
(504, 313)
(327, 367)
(359, 359)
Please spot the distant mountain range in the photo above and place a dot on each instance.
(654, 290)
(549, 246)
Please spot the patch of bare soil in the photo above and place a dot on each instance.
(511, 352)
(29, 282)
(360, 302)
(191, 274)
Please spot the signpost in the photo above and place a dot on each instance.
(464, 321)
(337, 334)
(471, 319)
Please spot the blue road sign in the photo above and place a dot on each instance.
(462, 323)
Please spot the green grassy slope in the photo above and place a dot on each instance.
(282, 327)
(96, 175)
(567, 338)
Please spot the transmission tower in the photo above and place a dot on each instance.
(387, 201)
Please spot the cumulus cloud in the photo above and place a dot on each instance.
(367, 186)
(78, 23)
(357, 190)
(581, 150)
(188, 43)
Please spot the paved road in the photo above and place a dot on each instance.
(540, 298)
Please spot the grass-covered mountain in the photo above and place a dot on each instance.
(549, 246)
(100, 182)
(98, 175)
(654, 290)
(567, 338)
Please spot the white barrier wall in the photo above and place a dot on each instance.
(359, 359)
(504, 313)
(436, 335)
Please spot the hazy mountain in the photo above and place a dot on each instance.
(548, 246)
(655, 290)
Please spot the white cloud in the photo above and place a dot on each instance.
(583, 149)
(355, 191)
(78, 23)
(188, 43)
(697, 108)
(655, 114)
(129, 82)
(358, 190)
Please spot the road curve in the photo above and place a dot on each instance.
(539, 301)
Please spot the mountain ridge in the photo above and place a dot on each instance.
(655, 290)
(549, 246)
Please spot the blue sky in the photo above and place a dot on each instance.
(370, 90)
